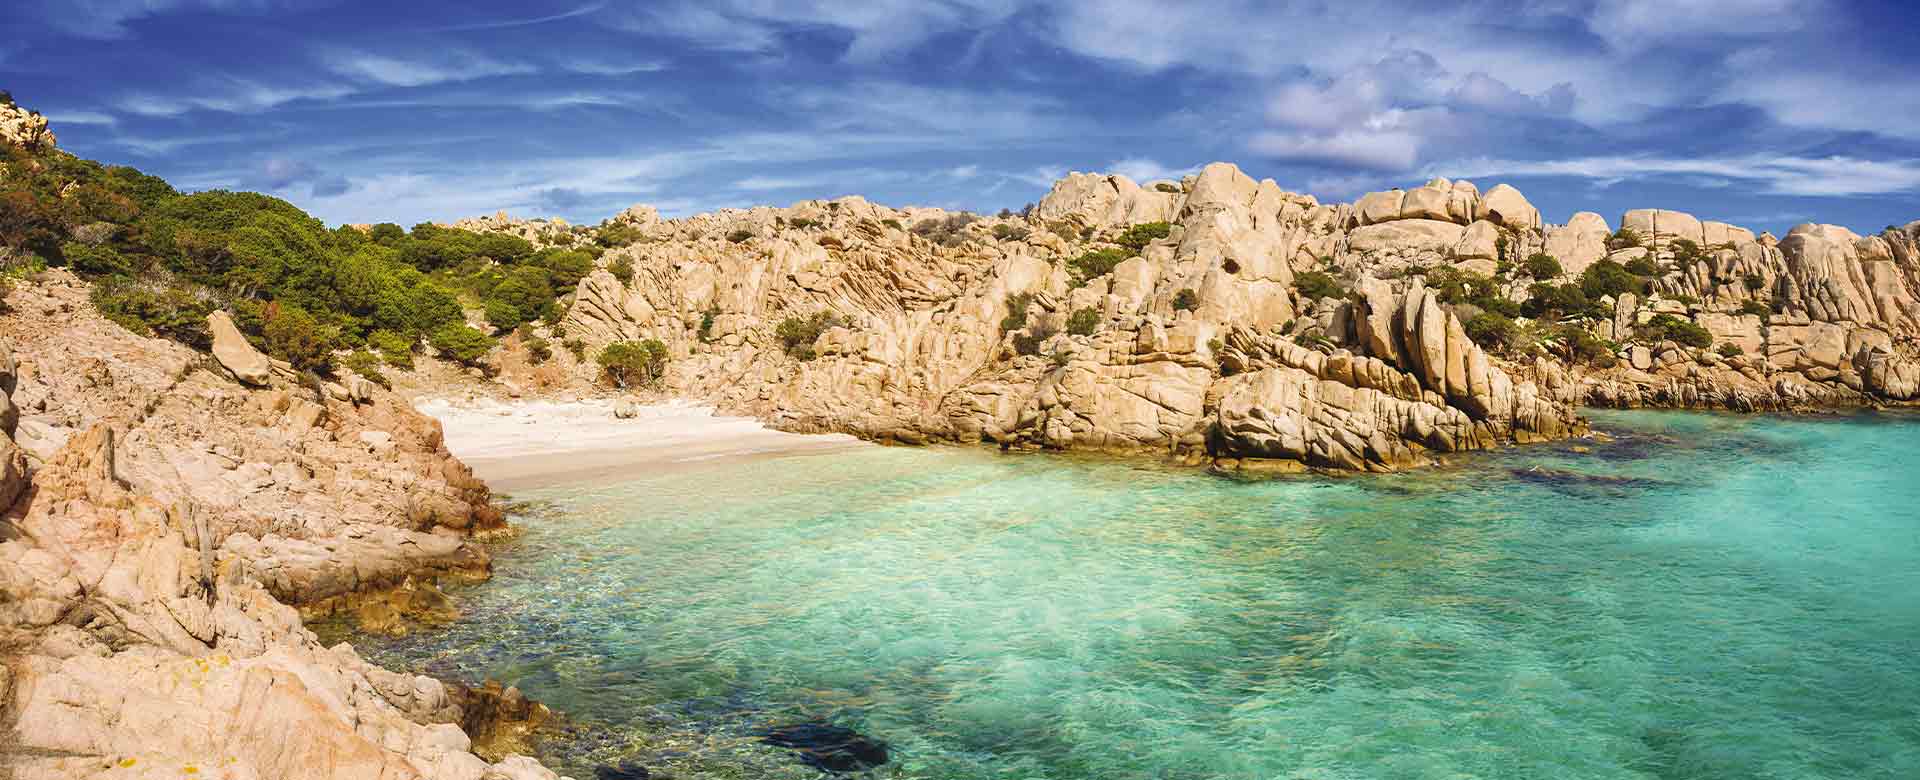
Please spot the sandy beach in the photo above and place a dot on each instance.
(528, 444)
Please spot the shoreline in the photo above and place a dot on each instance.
(523, 445)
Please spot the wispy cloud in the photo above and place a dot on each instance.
(501, 24)
(443, 67)
(230, 95)
(1779, 175)
(1141, 169)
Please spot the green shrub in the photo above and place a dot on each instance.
(1314, 285)
(1492, 331)
(163, 310)
(618, 235)
(802, 223)
(945, 231)
(1754, 282)
(1549, 301)
(538, 350)
(797, 334)
(565, 268)
(1456, 286)
(1686, 253)
(577, 347)
(1542, 266)
(1095, 263)
(1607, 277)
(892, 223)
(1623, 239)
(706, 322)
(1006, 232)
(296, 336)
(1167, 187)
(1016, 312)
(461, 344)
(634, 363)
(739, 236)
(1186, 300)
(1666, 327)
(1028, 342)
(622, 269)
(1083, 322)
(396, 349)
(1580, 346)
(1729, 350)
(1751, 306)
(367, 365)
(1642, 266)
(1137, 237)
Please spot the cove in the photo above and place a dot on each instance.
(1704, 596)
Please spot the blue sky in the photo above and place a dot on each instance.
(1762, 112)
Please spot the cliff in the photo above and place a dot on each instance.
(166, 527)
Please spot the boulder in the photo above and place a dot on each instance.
(1505, 206)
(1580, 243)
(236, 354)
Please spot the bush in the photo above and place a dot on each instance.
(1137, 237)
(1686, 253)
(1011, 232)
(1016, 312)
(1549, 301)
(797, 334)
(367, 365)
(396, 349)
(1666, 327)
(1167, 187)
(616, 236)
(945, 231)
(634, 363)
(622, 269)
(1607, 277)
(577, 347)
(1096, 263)
(1186, 300)
(294, 335)
(706, 322)
(1754, 282)
(892, 223)
(1729, 350)
(1083, 322)
(1580, 346)
(1456, 286)
(1492, 331)
(739, 236)
(1751, 306)
(1542, 266)
(1623, 239)
(1028, 342)
(538, 350)
(1314, 285)
(167, 311)
(1643, 266)
(461, 344)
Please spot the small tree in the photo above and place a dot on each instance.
(297, 337)
(1139, 236)
(739, 236)
(1542, 266)
(634, 363)
(797, 334)
(1314, 285)
(1186, 300)
(1095, 263)
(461, 344)
(1083, 322)
(1016, 312)
(622, 269)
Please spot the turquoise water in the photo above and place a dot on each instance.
(1704, 597)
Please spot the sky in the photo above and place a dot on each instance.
(1765, 113)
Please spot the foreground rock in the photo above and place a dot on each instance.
(168, 520)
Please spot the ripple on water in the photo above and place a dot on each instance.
(1705, 596)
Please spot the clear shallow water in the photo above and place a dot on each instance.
(1707, 597)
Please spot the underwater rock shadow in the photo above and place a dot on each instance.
(829, 748)
(1579, 484)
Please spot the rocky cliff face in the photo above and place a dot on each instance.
(162, 518)
(1171, 344)
(1202, 345)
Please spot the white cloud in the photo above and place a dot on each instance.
(879, 28)
(230, 95)
(419, 72)
(1779, 174)
(1383, 149)
(506, 23)
(1141, 169)
(107, 19)
(58, 118)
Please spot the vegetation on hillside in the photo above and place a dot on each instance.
(162, 260)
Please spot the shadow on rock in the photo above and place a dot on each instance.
(830, 748)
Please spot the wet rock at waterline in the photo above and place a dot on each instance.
(830, 748)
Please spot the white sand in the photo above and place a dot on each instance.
(526, 444)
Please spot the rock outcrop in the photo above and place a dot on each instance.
(235, 354)
(967, 339)
(24, 128)
(165, 529)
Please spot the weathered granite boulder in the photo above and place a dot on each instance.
(235, 354)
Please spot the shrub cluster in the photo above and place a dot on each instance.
(1083, 322)
(797, 334)
(1137, 237)
(1314, 285)
(634, 363)
(1666, 327)
(1096, 263)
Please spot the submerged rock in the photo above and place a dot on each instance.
(829, 748)
(623, 771)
